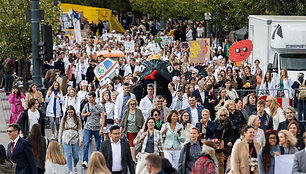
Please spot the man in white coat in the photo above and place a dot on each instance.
(147, 102)
(179, 102)
(131, 67)
(121, 101)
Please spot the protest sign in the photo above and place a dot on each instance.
(199, 50)
(283, 164)
(129, 47)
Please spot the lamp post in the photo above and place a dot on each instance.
(37, 62)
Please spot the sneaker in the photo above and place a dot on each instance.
(84, 164)
(75, 170)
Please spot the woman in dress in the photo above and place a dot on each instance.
(287, 142)
(15, 98)
(97, 164)
(55, 160)
(54, 99)
(109, 112)
(71, 136)
(39, 147)
(173, 134)
(33, 93)
(132, 121)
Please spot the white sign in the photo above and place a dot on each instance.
(283, 164)
(129, 47)
(207, 16)
(166, 41)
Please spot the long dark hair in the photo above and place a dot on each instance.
(266, 155)
(146, 124)
(18, 92)
(3, 156)
(75, 117)
(35, 139)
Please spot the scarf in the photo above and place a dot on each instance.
(158, 123)
(54, 103)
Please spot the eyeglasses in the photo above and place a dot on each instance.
(132, 104)
(223, 115)
(10, 131)
(186, 115)
(268, 100)
(160, 101)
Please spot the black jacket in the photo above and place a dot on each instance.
(127, 161)
(23, 121)
(226, 125)
(183, 158)
(197, 94)
(61, 66)
(283, 126)
(251, 109)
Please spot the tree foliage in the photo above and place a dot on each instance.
(15, 32)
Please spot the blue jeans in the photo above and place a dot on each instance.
(71, 152)
(87, 136)
(302, 111)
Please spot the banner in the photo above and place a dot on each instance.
(197, 51)
(206, 45)
(129, 47)
(283, 164)
(76, 26)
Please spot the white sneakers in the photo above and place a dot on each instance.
(84, 164)
(75, 170)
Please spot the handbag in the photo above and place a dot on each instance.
(220, 144)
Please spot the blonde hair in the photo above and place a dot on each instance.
(97, 164)
(228, 102)
(252, 119)
(54, 154)
(290, 139)
(131, 100)
(205, 110)
(274, 106)
(222, 110)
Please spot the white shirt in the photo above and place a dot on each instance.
(202, 94)
(116, 153)
(194, 116)
(33, 117)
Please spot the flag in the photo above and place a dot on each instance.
(76, 25)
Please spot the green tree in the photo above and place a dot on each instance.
(15, 40)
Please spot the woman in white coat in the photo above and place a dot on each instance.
(267, 86)
(54, 99)
(72, 100)
(284, 85)
(275, 111)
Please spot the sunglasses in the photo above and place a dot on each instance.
(10, 131)
(132, 104)
(223, 115)
(156, 115)
(268, 100)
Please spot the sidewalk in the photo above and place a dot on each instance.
(5, 110)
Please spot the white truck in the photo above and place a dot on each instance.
(278, 42)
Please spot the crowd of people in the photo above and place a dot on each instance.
(198, 129)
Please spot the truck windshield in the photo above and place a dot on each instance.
(293, 62)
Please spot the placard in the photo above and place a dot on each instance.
(283, 164)
(199, 50)
(129, 47)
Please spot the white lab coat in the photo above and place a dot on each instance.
(119, 103)
(184, 104)
(71, 101)
(271, 86)
(50, 101)
(127, 69)
(78, 70)
(145, 105)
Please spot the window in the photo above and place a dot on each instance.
(293, 62)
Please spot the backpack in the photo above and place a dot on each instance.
(301, 94)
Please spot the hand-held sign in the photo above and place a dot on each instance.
(240, 51)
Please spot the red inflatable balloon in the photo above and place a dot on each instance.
(241, 50)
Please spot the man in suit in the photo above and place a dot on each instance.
(20, 151)
(117, 153)
(290, 116)
(201, 93)
(299, 161)
(195, 111)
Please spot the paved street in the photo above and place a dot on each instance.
(5, 108)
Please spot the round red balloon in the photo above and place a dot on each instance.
(240, 51)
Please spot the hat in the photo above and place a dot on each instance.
(210, 144)
(114, 31)
(271, 131)
(220, 57)
(219, 48)
(128, 36)
(162, 34)
(84, 83)
(213, 51)
(215, 58)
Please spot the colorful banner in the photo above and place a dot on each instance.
(199, 50)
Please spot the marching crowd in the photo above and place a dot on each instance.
(203, 127)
